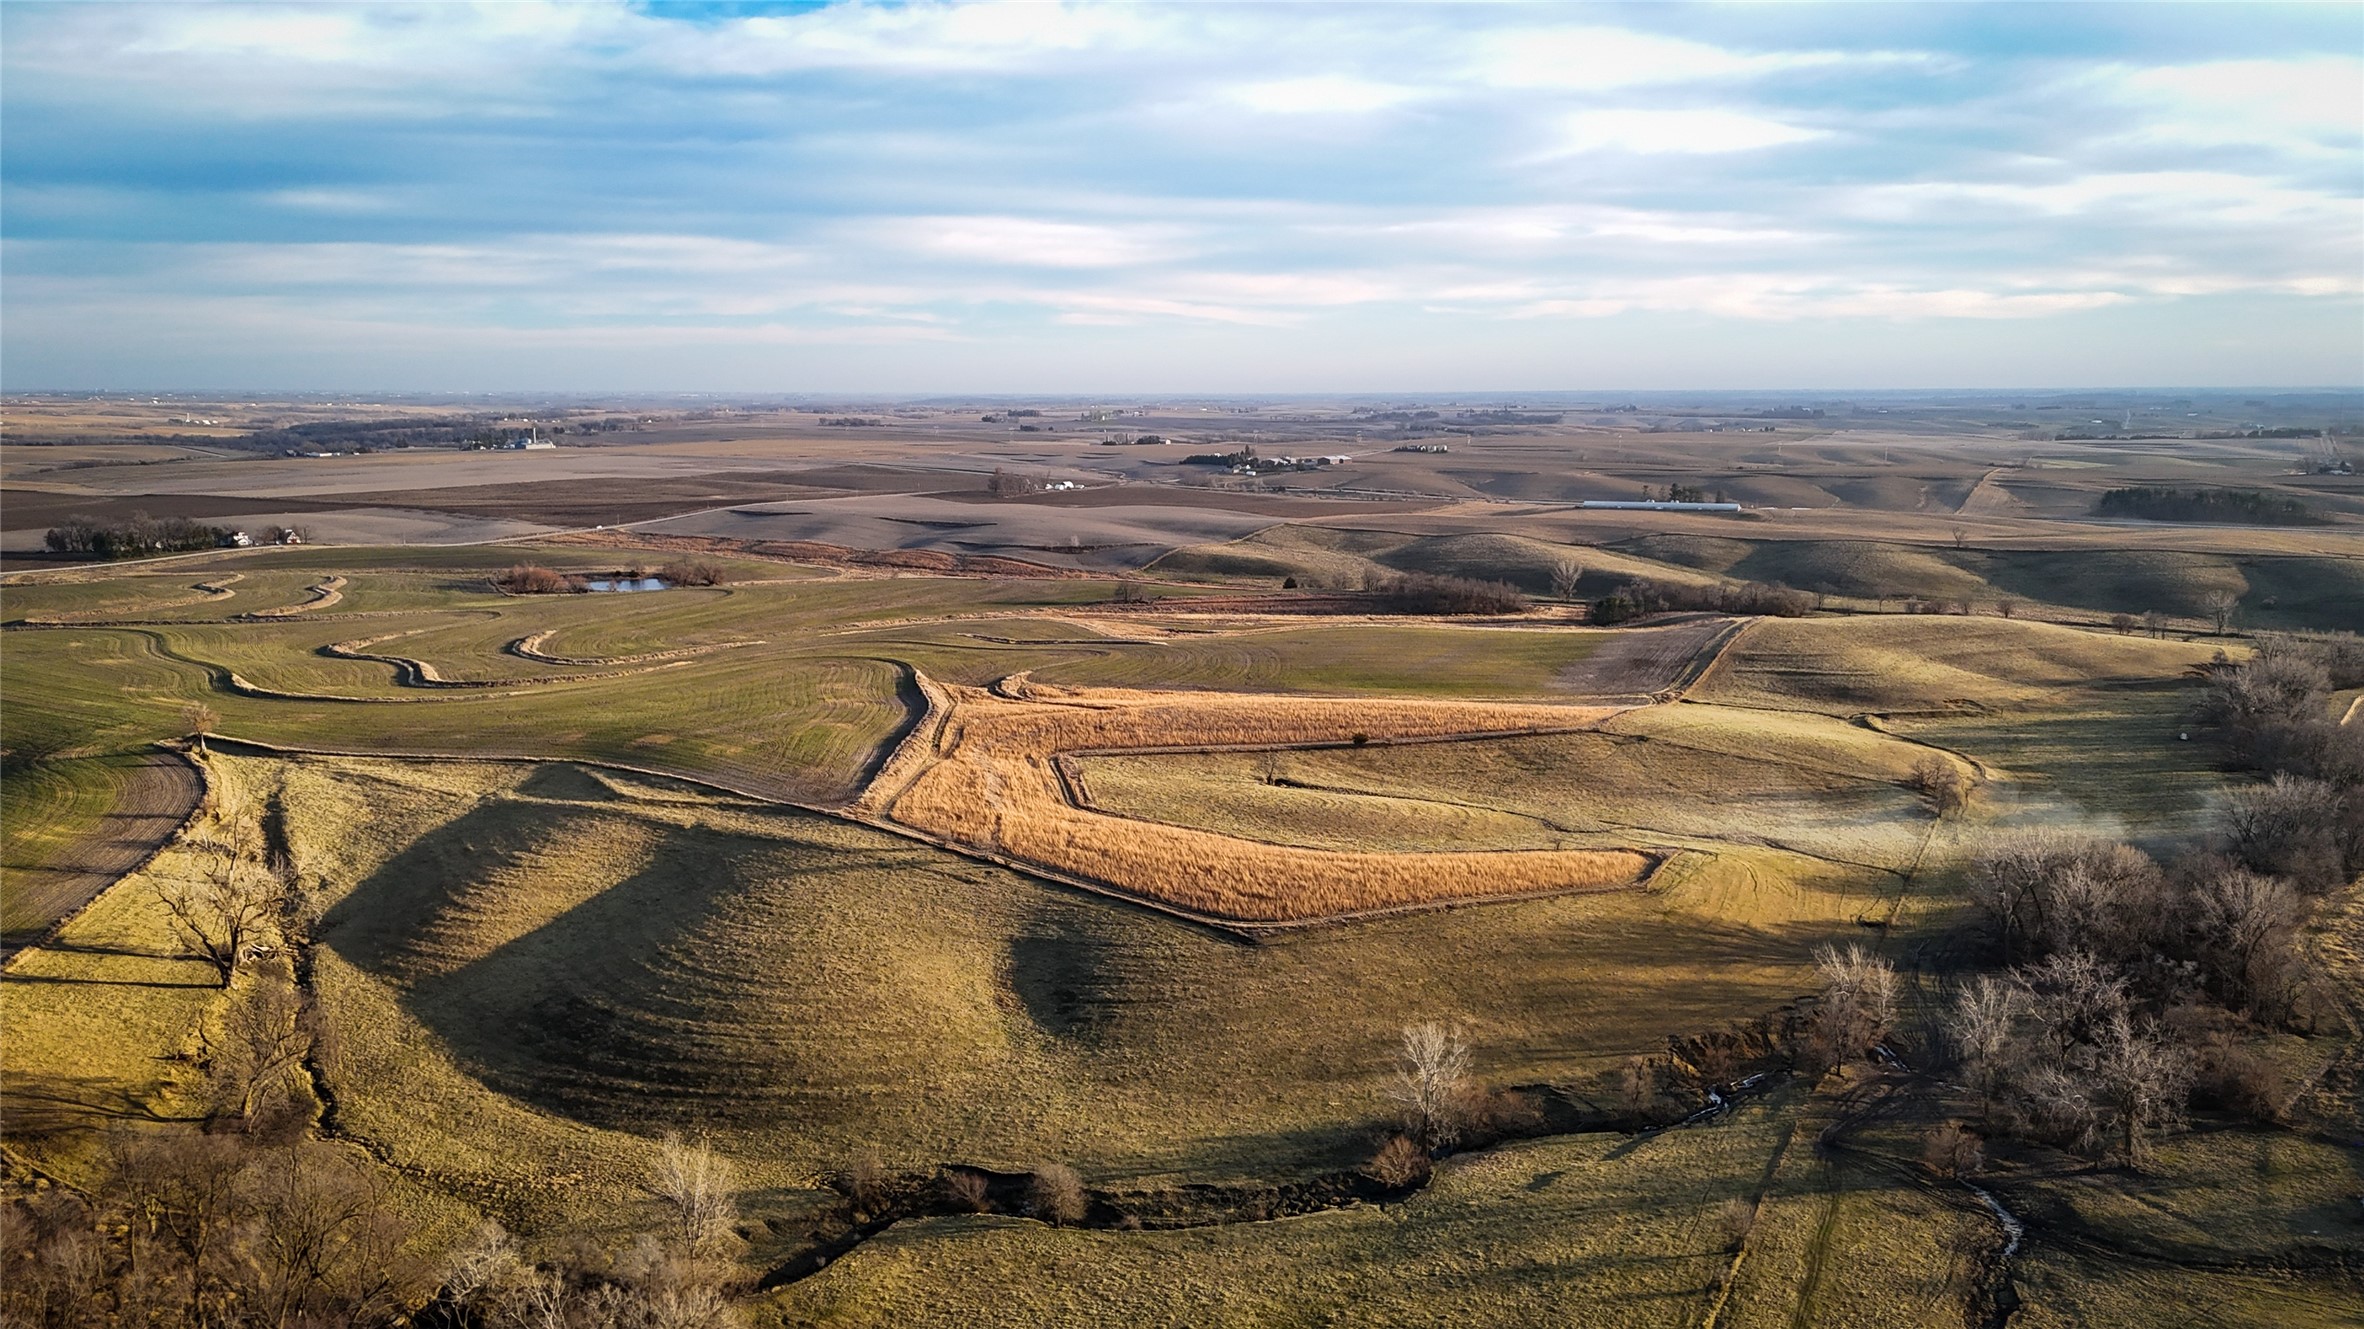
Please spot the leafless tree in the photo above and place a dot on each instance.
(1565, 575)
(1056, 1194)
(2154, 622)
(1268, 767)
(221, 911)
(199, 720)
(182, 1197)
(326, 1246)
(2045, 891)
(2124, 623)
(2292, 827)
(1944, 782)
(486, 1269)
(2007, 607)
(1431, 1084)
(1858, 999)
(267, 1032)
(2221, 606)
(2139, 1081)
(2072, 996)
(698, 1185)
(2242, 928)
(1984, 1032)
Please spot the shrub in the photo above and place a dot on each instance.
(1399, 1163)
(864, 1184)
(534, 579)
(2232, 1077)
(1056, 1195)
(1733, 1219)
(1643, 1089)
(693, 572)
(965, 1192)
(1953, 1150)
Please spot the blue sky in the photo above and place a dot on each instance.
(1202, 198)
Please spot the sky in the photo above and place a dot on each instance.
(1072, 198)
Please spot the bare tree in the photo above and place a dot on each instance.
(2045, 892)
(1268, 767)
(2154, 622)
(326, 1245)
(1945, 783)
(1565, 574)
(697, 1184)
(267, 1034)
(218, 914)
(1056, 1194)
(2138, 1081)
(2007, 607)
(1984, 1030)
(2242, 927)
(2123, 623)
(2292, 827)
(1432, 1084)
(485, 1269)
(199, 720)
(2221, 606)
(1858, 999)
(2073, 996)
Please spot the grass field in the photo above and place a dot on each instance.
(533, 970)
(1696, 776)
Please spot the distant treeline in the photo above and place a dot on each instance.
(1510, 418)
(369, 435)
(137, 534)
(2246, 506)
(1433, 593)
(1637, 598)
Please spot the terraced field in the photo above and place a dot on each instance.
(2279, 590)
(830, 868)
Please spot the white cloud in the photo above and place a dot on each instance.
(1321, 93)
(1692, 131)
(1029, 242)
(1764, 297)
(2174, 197)
(2310, 105)
(1600, 59)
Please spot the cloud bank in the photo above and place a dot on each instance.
(1042, 197)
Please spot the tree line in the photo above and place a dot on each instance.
(134, 535)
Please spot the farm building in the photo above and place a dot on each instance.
(1657, 505)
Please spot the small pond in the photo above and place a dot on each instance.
(628, 584)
